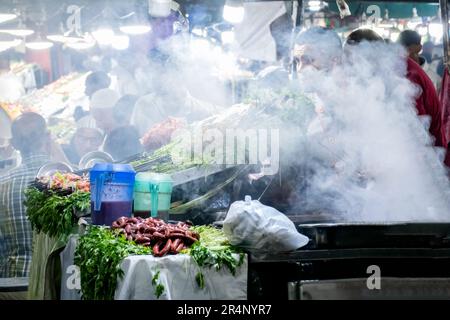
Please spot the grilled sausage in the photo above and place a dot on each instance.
(166, 248)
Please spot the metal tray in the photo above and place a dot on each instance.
(91, 158)
(53, 167)
(377, 235)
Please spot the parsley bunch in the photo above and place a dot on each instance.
(98, 255)
(53, 214)
(213, 250)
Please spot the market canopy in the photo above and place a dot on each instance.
(396, 9)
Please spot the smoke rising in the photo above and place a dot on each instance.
(373, 158)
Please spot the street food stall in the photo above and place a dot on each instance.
(269, 182)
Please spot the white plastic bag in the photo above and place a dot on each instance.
(259, 228)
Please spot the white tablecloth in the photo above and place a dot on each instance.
(176, 273)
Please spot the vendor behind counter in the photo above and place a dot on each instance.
(86, 138)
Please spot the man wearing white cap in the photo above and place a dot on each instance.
(101, 108)
(87, 138)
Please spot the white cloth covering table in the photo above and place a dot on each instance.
(176, 273)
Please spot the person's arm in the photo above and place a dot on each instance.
(434, 109)
(428, 104)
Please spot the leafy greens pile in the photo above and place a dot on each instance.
(98, 255)
(53, 214)
(100, 252)
(213, 250)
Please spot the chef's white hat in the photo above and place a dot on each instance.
(87, 122)
(104, 99)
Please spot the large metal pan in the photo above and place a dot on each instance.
(377, 235)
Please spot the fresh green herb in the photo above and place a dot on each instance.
(155, 278)
(200, 280)
(159, 290)
(213, 250)
(98, 255)
(206, 257)
(53, 214)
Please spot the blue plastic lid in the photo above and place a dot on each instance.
(112, 167)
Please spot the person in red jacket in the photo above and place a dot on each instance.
(427, 101)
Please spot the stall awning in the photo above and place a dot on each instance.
(396, 9)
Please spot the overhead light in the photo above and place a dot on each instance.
(385, 25)
(81, 45)
(233, 11)
(160, 8)
(7, 17)
(63, 39)
(57, 38)
(227, 37)
(6, 45)
(422, 30)
(314, 3)
(435, 30)
(394, 36)
(103, 36)
(120, 42)
(18, 32)
(314, 8)
(135, 29)
(136, 24)
(38, 43)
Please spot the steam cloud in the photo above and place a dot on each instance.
(372, 155)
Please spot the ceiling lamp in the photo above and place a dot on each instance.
(39, 43)
(120, 42)
(136, 25)
(314, 5)
(81, 45)
(233, 11)
(8, 41)
(6, 45)
(20, 31)
(227, 37)
(160, 8)
(135, 29)
(436, 30)
(7, 17)
(104, 36)
(63, 38)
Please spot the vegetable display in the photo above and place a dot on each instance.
(163, 237)
(101, 250)
(53, 203)
(54, 214)
(98, 255)
(214, 250)
(64, 182)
